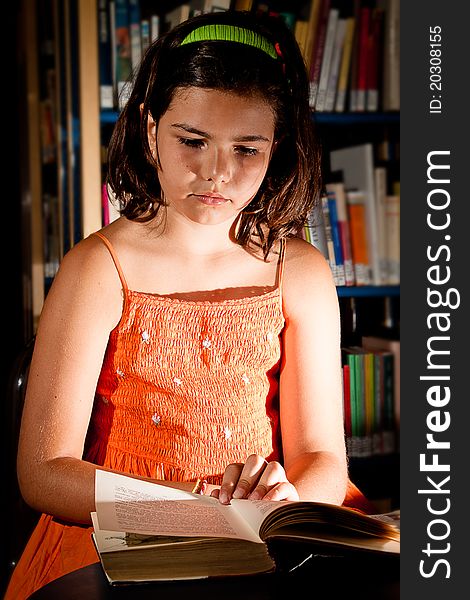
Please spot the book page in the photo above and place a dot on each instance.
(255, 511)
(137, 506)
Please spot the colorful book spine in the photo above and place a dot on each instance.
(340, 277)
(358, 231)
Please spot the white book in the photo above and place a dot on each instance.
(315, 230)
(392, 225)
(335, 65)
(380, 194)
(326, 60)
(357, 165)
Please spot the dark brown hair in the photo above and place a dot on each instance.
(292, 184)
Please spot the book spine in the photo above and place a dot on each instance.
(340, 102)
(380, 179)
(343, 227)
(329, 240)
(315, 6)
(392, 232)
(145, 34)
(335, 65)
(358, 231)
(375, 52)
(340, 278)
(363, 58)
(369, 401)
(391, 56)
(123, 51)
(326, 59)
(300, 32)
(317, 56)
(389, 416)
(135, 33)
(154, 27)
(105, 55)
(347, 402)
(377, 440)
(315, 230)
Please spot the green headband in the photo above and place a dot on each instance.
(231, 33)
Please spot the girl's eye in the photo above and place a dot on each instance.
(191, 142)
(246, 151)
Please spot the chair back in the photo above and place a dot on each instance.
(20, 517)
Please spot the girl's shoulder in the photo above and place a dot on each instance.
(303, 259)
(307, 282)
(88, 269)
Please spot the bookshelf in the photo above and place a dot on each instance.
(68, 185)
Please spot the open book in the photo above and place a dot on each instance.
(148, 532)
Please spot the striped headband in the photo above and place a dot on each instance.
(232, 33)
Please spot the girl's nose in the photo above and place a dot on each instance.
(217, 167)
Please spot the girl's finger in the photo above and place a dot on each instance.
(272, 475)
(282, 491)
(251, 472)
(229, 482)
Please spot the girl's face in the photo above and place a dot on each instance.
(214, 150)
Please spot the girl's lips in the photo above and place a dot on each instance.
(211, 199)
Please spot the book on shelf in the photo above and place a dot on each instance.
(374, 59)
(243, 4)
(122, 50)
(338, 191)
(109, 206)
(176, 16)
(313, 16)
(199, 7)
(333, 75)
(301, 34)
(333, 243)
(358, 444)
(105, 52)
(363, 58)
(391, 55)
(385, 428)
(356, 205)
(318, 48)
(368, 381)
(392, 231)
(345, 66)
(330, 38)
(357, 165)
(144, 531)
(145, 34)
(314, 230)
(380, 181)
(374, 343)
(135, 32)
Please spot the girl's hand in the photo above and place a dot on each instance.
(256, 480)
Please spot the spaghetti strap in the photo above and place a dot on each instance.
(117, 264)
(280, 273)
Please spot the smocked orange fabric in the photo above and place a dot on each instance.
(186, 388)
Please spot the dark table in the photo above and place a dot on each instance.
(361, 577)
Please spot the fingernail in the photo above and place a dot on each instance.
(223, 497)
(238, 493)
(254, 496)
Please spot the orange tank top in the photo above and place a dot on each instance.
(188, 387)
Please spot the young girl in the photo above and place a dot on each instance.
(195, 338)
